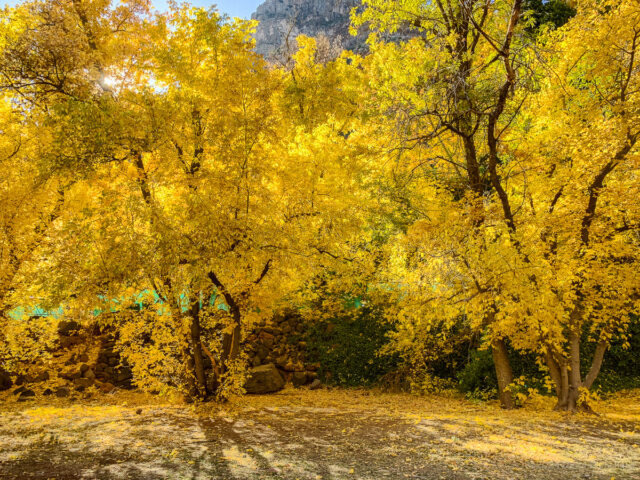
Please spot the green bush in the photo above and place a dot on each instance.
(621, 366)
(478, 377)
(347, 348)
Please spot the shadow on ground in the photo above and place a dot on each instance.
(317, 437)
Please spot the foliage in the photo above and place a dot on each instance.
(477, 177)
(347, 347)
(27, 341)
(478, 377)
(545, 12)
(504, 165)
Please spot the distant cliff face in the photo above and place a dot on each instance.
(286, 19)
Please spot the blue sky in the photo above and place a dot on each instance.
(234, 8)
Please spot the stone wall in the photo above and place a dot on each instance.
(81, 359)
(87, 358)
(280, 342)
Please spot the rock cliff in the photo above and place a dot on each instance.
(282, 20)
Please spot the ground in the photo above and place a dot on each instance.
(323, 434)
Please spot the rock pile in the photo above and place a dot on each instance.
(106, 370)
(279, 343)
(81, 361)
(84, 359)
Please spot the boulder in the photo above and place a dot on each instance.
(83, 357)
(5, 381)
(19, 390)
(62, 392)
(70, 375)
(26, 394)
(123, 376)
(42, 377)
(281, 361)
(316, 384)
(67, 327)
(100, 367)
(299, 378)
(82, 383)
(263, 352)
(47, 392)
(22, 379)
(89, 374)
(106, 387)
(264, 379)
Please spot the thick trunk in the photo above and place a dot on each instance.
(559, 372)
(196, 347)
(471, 161)
(503, 372)
(567, 377)
(575, 377)
(554, 371)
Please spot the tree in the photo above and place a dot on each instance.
(474, 156)
(583, 157)
(50, 82)
(219, 204)
(450, 93)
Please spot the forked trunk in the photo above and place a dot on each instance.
(503, 372)
(567, 378)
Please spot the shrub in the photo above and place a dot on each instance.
(347, 348)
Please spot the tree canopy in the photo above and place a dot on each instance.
(476, 173)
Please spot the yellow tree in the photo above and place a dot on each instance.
(581, 193)
(447, 98)
(49, 54)
(217, 194)
(537, 253)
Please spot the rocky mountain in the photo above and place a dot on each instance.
(281, 21)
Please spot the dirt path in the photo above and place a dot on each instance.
(316, 435)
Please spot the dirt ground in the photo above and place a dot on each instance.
(324, 434)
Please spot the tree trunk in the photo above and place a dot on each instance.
(559, 372)
(196, 346)
(503, 372)
(596, 363)
(570, 384)
(231, 341)
(554, 371)
(575, 377)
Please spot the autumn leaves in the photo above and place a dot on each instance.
(480, 176)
